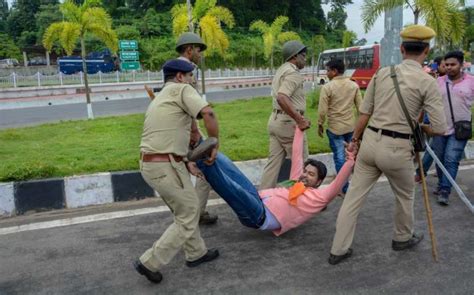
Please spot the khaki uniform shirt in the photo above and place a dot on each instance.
(419, 91)
(337, 100)
(168, 119)
(289, 81)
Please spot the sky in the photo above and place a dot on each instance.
(353, 21)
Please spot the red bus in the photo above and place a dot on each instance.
(361, 63)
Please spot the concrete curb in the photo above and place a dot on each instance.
(17, 198)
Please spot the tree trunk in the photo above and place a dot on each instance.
(203, 74)
(90, 114)
(312, 69)
(271, 63)
(190, 16)
(417, 15)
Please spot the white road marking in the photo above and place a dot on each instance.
(121, 214)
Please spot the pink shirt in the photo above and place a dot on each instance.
(312, 201)
(462, 94)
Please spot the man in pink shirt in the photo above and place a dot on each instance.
(457, 89)
(277, 209)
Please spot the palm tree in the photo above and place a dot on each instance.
(80, 20)
(272, 35)
(443, 16)
(205, 19)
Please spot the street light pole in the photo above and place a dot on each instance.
(390, 43)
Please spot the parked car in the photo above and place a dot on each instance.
(9, 63)
(37, 61)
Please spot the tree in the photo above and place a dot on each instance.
(272, 35)
(4, 12)
(127, 32)
(337, 15)
(46, 15)
(207, 18)
(348, 38)
(306, 15)
(154, 24)
(443, 16)
(80, 20)
(8, 49)
(22, 17)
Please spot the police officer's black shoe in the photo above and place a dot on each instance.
(209, 256)
(207, 218)
(203, 150)
(412, 242)
(335, 259)
(154, 277)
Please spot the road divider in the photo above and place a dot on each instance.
(18, 198)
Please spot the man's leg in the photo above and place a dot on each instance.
(232, 185)
(364, 178)
(452, 156)
(427, 161)
(272, 167)
(336, 142)
(398, 167)
(281, 129)
(172, 182)
(438, 145)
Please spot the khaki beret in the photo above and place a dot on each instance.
(417, 33)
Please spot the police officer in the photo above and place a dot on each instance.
(289, 105)
(164, 144)
(190, 47)
(386, 147)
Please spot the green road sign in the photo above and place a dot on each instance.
(128, 44)
(131, 65)
(129, 55)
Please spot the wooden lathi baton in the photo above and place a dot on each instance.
(150, 92)
(426, 200)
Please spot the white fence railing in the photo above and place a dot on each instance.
(37, 80)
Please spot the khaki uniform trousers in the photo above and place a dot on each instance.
(281, 129)
(378, 154)
(172, 181)
(202, 190)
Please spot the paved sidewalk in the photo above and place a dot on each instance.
(95, 258)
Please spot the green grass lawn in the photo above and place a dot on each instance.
(112, 144)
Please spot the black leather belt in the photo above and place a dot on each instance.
(283, 112)
(390, 133)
